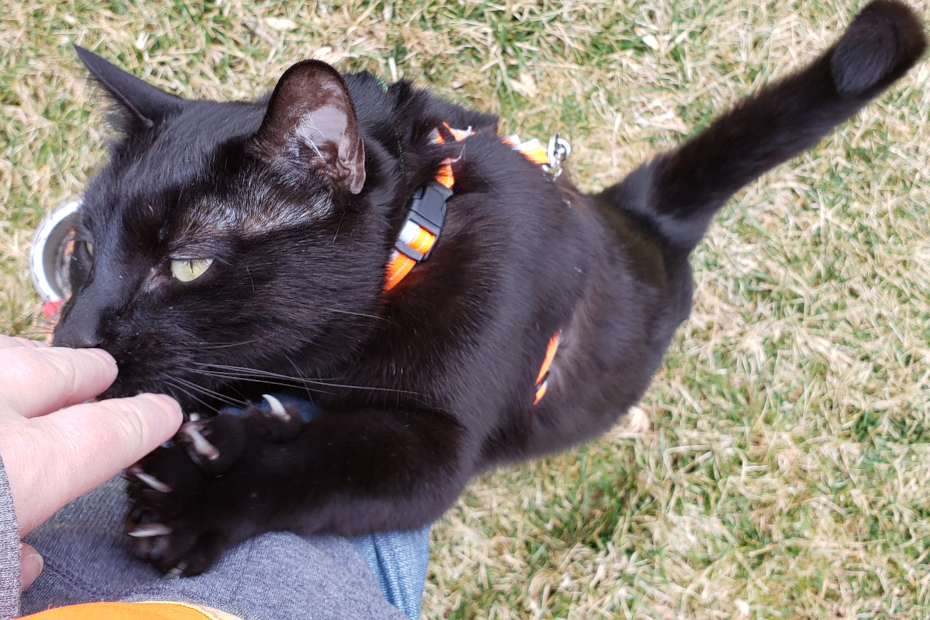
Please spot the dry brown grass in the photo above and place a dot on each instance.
(779, 467)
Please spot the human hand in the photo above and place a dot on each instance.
(53, 448)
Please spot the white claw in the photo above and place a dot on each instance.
(147, 531)
(276, 407)
(175, 572)
(150, 480)
(201, 445)
(193, 417)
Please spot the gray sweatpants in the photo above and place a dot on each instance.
(275, 576)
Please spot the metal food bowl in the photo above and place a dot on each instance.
(50, 256)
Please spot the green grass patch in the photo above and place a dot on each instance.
(779, 466)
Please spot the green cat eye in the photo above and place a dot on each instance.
(186, 270)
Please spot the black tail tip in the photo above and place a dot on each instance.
(882, 43)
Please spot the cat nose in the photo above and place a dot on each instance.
(77, 340)
(74, 335)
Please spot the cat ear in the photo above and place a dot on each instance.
(141, 105)
(310, 126)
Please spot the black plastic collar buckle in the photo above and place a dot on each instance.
(428, 211)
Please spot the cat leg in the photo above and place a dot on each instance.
(342, 473)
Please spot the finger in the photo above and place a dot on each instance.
(10, 341)
(79, 448)
(37, 380)
(31, 563)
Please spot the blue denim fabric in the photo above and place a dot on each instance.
(398, 561)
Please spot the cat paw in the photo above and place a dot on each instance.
(883, 42)
(200, 494)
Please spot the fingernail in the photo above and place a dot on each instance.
(101, 354)
(32, 566)
(166, 401)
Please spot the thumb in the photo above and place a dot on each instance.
(31, 563)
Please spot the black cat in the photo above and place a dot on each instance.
(230, 249)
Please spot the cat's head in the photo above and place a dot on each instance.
(224, 235)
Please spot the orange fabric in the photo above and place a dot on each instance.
(423, 241)
(458, 134)
(533, 150)
(401, 264)
(540, 392)
(398, 269)
(537, 155)
(542, 380)
(550, 355)
(444, 174)
(133, 611)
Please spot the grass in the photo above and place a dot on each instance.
(779, 466)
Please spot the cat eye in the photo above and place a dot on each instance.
(186, 270)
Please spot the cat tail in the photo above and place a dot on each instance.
(679, 192)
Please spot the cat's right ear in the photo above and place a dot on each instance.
(140, 105)
(310, 127)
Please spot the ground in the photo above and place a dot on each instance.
(779, 467)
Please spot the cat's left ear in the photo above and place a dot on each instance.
(311, 126)
(140, 104)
